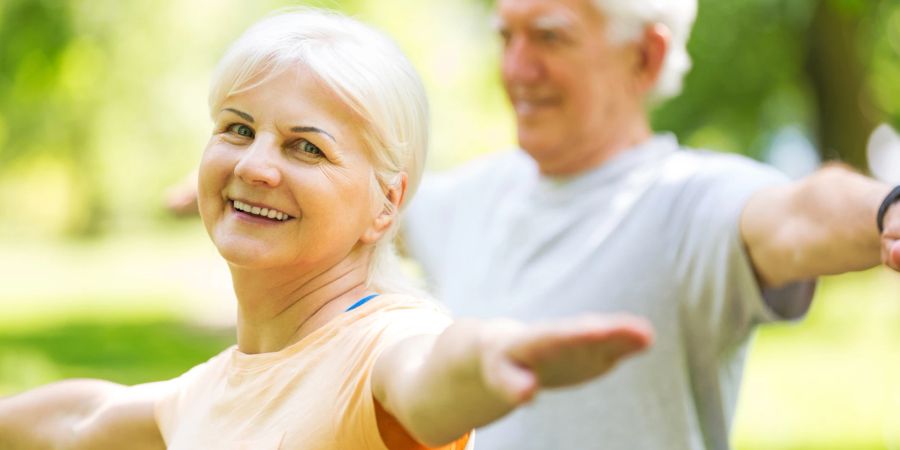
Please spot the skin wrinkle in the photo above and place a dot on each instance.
(304, 129)
(328, 154)
(294, 129)
(312, 318)
(306, 296)
(241, 114)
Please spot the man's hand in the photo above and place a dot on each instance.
(890, 239)
(520, 359)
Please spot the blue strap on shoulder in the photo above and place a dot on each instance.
(361, 302)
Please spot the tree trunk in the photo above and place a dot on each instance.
(845, 109)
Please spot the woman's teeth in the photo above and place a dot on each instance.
(261, 212)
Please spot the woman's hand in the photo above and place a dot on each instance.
(517, 359)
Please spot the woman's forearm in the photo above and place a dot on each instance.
(437, 386)
(46, 417)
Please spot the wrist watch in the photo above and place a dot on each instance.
(891, 198)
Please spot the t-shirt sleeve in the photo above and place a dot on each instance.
(407, 319)
(724, 295)
(171, 403)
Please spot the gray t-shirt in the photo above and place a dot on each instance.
(654, 232)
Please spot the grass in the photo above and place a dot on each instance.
(131, 352)
(831, 381)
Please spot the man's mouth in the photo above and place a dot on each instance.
(528, 106)
(268, 213)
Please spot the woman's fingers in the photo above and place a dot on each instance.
(571, 351)
(518, 359)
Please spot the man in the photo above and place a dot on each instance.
(598, 214)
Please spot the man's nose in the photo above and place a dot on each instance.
(521, 64)
(258, 164)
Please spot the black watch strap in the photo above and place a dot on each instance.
(891, 198)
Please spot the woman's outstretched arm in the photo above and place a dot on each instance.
(81, 414)
(440, 387)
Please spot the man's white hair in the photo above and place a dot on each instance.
(627, 20)
(368, 72)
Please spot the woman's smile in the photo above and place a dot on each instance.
(261, 213)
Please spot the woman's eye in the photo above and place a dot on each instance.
(240, 130)
(309, 148)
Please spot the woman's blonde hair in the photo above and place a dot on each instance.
(367, 71)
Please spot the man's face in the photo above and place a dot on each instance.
(569, 86)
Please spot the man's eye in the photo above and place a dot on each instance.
(548, 36)
(240, 130)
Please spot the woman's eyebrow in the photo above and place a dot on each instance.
(306, 129)
(243, 115)
(297, 129)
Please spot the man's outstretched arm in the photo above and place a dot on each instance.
(823, 224)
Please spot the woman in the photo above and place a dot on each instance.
(319, 140)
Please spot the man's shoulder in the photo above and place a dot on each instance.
(702, 164)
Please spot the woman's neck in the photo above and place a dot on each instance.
(278, 307)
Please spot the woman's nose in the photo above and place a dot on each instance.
(258, 164)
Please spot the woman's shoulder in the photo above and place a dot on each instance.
(215, 366)
(408, 313)
(412, 305)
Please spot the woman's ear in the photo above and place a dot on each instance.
(395, 194)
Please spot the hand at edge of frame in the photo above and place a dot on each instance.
(890, 239)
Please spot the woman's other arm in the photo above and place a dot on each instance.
(441, 387)
(81, 414)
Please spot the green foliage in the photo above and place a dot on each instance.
(748, 77)
(34, 37)
(881, 31)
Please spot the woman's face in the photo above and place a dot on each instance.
(284, 180)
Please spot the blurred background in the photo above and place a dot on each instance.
(103, 109)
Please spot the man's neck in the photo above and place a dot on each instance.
(278, 307)
(590, 152)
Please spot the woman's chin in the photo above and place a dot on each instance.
(247, 254)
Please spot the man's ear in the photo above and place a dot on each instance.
(653, 48)
(395, 193)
